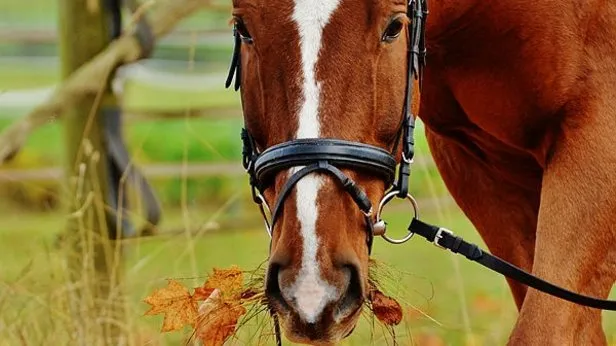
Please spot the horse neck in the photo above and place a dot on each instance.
(446, 16)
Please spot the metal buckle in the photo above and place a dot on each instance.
(382, 230)
(439, 235)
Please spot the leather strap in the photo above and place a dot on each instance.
(447, 240)
(302, 152)
(417, 12)
(357, 194)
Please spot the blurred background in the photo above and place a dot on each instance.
(182, 130)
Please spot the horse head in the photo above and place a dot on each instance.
(325, 93)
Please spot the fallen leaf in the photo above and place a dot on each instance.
(217, 319)
(230, 282)
(386, 309)
(176, 303)
(222, 294)
(202, 293)
(209, 304)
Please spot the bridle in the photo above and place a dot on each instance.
(326, 155)
(331, 155)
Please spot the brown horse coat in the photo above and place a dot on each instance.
(519, 103)
(520, 111)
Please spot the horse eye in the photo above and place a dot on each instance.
(241, 29)
(393, 31)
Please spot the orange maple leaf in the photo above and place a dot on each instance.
(176, 303)
(218, 319)
(218, 316)
(202, 293)
(385, 308)
(230, 282)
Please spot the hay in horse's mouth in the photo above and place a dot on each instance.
(241, 300)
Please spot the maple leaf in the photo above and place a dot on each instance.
(217, 319)
(230, 282)
(385, 308)
(202, 293)
(223, 295)
(176, 303)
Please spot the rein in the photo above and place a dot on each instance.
(306, 156)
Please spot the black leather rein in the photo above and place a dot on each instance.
(445, 239)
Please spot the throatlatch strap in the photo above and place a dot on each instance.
(447, 240)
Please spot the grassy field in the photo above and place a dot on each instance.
(447, 300)
(438, 303)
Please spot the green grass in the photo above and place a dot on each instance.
(443, 296)
(27, 240)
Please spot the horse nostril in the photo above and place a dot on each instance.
(272, 288)
(353, 295)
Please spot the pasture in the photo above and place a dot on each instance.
(210, 222)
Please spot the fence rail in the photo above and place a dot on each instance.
(150, 170)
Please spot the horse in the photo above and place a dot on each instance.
(518, 106)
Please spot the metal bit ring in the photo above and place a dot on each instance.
(386, 199)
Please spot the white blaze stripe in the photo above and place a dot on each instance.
(310, 292)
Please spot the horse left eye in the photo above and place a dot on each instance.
(393, 31)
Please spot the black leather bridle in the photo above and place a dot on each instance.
(331, 155)
(328, 155)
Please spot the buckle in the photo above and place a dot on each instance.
(439, 235)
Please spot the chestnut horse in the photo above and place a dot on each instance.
(519, 111)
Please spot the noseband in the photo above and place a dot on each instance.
(330, 156)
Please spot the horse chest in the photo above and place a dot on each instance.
(509, 75)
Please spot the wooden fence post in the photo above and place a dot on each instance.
(97, 306)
